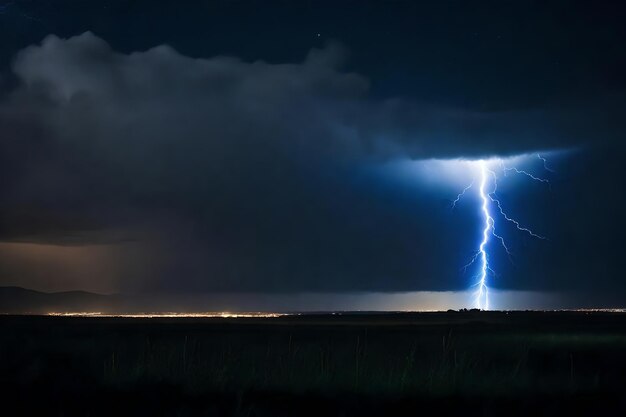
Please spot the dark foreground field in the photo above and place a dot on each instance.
(472, 363)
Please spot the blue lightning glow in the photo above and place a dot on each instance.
(528, 174)
(515, 222)
(482, 295)
(496, 222)
(488, 197)
(492, 196)
(545, 163)
(461, 194)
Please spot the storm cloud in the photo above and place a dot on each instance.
(221, 174)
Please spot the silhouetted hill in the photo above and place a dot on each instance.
(17, 300)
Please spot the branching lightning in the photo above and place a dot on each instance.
(545, 163)
(461, 194)
(489, 199)
(528, 174)
(515, 222)
(482, 295)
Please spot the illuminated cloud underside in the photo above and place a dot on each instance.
(490, 202)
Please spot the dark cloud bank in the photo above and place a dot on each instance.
(219, 174)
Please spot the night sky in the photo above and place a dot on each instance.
(284, 147)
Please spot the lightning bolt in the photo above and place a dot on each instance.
(489, 201)
(528, 174)
(460, 195)
(493, 197)
(515, 222)
(482, 294)
(545, 163)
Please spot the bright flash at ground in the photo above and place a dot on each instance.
(488, 186)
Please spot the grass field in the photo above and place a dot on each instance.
(471, 363)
